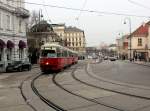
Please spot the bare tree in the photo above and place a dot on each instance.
(33, 18)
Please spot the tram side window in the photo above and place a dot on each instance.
(59, 53)
(65, 53)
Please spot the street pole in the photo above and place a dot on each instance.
(129, 20)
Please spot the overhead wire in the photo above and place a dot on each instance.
(84, 10)
(138, 4)
(77, 18)
(46, 12)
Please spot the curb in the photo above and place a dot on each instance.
(137, 63)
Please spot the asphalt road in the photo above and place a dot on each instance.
(75, 90)
(123, 72)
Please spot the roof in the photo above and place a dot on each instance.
(141, 31)
(42, 26)
(72, 29)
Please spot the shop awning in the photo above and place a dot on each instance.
(22, 44)
(2, 44)
(10, 44)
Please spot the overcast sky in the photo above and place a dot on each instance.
(98, 27)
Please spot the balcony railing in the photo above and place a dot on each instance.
(22, 12)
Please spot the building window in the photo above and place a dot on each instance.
(20, 26)
(139, 41)
(1, 50)
(70, 34)
(79, 39)
(8, 21)
(0, 20)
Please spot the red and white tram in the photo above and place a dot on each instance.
(56, 57)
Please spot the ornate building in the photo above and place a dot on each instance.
(73, 37)
(38, 35)
(13, 40)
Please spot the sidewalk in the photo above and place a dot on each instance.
(35, 66)
(140, 63)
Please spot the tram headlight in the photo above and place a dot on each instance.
(47, 63)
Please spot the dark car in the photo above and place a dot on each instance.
(18, 66)
(112, 58)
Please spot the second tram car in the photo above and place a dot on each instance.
(55, 57)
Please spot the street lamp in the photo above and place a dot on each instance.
(129, 20)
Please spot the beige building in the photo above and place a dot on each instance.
(122, 47)
(140, 48)
(73, 37)
(60, 30)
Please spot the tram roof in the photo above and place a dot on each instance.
(46, 45)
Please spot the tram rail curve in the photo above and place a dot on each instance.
(23, 95)
(85, 98)
(45, 100)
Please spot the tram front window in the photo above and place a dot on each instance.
(48, 53)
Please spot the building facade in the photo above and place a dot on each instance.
(140, 48)
(73, 37)
(13, 40)
(122, 47)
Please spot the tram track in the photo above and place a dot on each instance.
(72, 71)
(110, 90)
(126, 84)
(45, 100)
(23, 95)
(114, 91)
(85, 98)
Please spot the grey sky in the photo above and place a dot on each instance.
(98, 27)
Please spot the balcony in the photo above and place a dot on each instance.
(21, 12)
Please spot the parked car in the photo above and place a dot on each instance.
(18, 66)
(112, 58)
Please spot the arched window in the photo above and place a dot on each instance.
(21, 45)
(2, 46)
(10, 46)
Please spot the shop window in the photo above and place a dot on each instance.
(9, 53)
(20, 53)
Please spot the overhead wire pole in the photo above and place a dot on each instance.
(129, 20)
